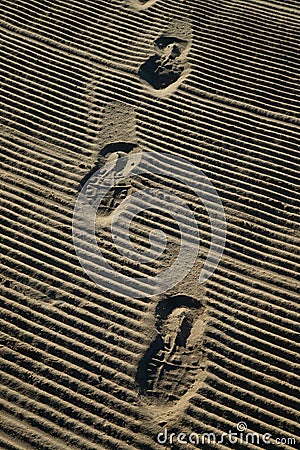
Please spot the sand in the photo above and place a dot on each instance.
(86, 83)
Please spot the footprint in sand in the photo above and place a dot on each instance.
(164, 71)
(118, 131)
(171, 365)
(141, 4)
(112, 154)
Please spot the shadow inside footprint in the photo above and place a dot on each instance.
(167, 65)
(123, 147)
(143, 3)
(171, 364)
(164, 41)
(160, 75)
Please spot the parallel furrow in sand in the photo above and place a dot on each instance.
(251, 283)
(42, 245)
(254, 393)
(235, 198)
(115, 90)
(38, 177)
(243, 353)
(271, 351)
(47, 166)
(196, 412)
(261, 110)
(10, 404)
(210, 75)
(238, 245)
(30, 127)
(61, 157)
(216, 182)
(232, 198)
(231, 144)
(46, 267)
(219, 129)
(84, 315)
(79, 137)
(283, 347)
(255, 127)
(96, 333)
(123, 68)
(260, 95)
(261, 308)
(225, 336)
(218, 393)
(8, 442)
(51, 207)
(244, 379)
(88, 12)
(264, 277)
(217, 37)
(214, 136)
(243, 282)
(210, 56)
(121, 311)
(287, 7)
(52, 91)
(82, 409)
(278, 326)
(235, 93)
(55, 83)
(233, 327)
(272, 326)
(70, 268)
(269, 267)
(251, 168)
(70, 369)
(86, 312)
(271, 198)
(260, 6)
(236, 248)
(60, 93)
(266, 195)
(58, 84)
(284, 327)
(57, 55)
(231, 156)
(262, 255)
(98, 338)
(40, 110)
(219, 352)
(55, 226)
(66, 81)
(26, 433)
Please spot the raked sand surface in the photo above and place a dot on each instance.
(213, 82)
